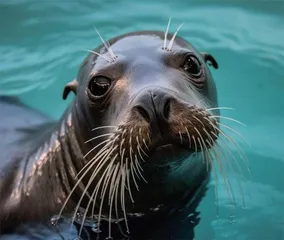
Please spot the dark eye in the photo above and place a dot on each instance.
(192, 66)
(99, 85)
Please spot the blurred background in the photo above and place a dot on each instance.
(42, 46)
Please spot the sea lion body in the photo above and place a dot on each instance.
(144, 160)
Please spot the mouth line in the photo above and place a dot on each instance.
(167, 145)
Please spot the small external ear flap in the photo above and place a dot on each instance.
(71, 86)
(211, 59)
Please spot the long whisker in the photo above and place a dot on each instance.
(242, 154)
(107, 170)
(102, 199)
(224, 174)
(132, 170)
(128, 181)
(233, 130)
(219, 108)
(97, 169)
(122, 197)
(231, 119)
(166, 33)
(140, 133)
(173, 38)
(78, 182)
(98, 54)
(137, 164)
(193, 138)
(189, 138)
(106, 46)
(239, 149)
(96, 148)
(96, 156)
(202, 150)
(111, 202)
(209, 158)
(103, 127)
(100, 136)
(233, 170)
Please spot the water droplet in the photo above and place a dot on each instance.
(54, 220)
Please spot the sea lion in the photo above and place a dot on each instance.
(131, 149)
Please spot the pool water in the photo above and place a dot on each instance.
(42, 45)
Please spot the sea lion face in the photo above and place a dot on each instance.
(149, 106)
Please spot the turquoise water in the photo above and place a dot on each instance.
(41, 47)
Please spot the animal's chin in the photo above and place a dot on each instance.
(169, 153)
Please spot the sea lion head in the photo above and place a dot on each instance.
(145, 105)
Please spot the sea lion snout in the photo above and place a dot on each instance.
(153, 105)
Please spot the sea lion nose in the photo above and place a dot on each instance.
(154, 107)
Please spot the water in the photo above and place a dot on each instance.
(41, 45)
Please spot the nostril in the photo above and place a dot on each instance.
(167, 108)
(143, 113)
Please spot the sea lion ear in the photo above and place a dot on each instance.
(211, 59)
(71, 86)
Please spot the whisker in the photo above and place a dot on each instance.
(180, 135)
(97, 169)
(128, 181)
(137, 164)
(108, 48)
(236, 132)
(209, 158)
(202, 150)
(97, 155)
(140, 133)
(219, 108)
(111, 202)
(144, 141)
(188, 135)
(224, 174)
(233, 170)
(103, 127)
(197, 119)
(140, 155)
(102, 201)
(193, 138)
(231, 119)
(100, 136)
(166, 33)
(239, 149)
(242, 154)
(139, 147)
(133, 176)
(120, 148)
(98, 54)
(96, 148)
(107, 170)
(133, 169)
(122, 197)
(73, 189)
(173, 38)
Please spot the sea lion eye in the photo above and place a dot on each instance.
(192, 66)
(99, 85)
